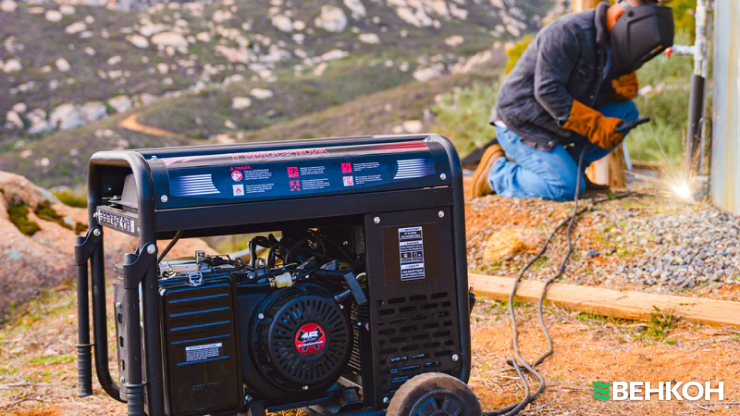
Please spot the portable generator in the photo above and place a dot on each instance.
(349, 297)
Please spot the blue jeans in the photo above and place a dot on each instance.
(550, 175)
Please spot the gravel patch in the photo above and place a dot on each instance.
(649, 243)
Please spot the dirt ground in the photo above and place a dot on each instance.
(38, 374)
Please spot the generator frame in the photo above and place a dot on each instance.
(144, 389)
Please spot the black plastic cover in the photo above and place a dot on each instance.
(201, 347)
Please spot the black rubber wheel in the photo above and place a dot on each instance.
(434, 394)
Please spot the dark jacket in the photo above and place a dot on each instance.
(564, 62)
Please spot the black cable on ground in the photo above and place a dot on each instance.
(519, 362)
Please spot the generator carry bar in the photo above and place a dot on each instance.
(385, 216)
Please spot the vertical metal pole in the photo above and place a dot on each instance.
(84, 348)
(698, 87)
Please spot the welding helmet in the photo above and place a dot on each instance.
(639, 35)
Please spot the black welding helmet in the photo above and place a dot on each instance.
(640, 34)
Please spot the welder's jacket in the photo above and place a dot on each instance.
(565, 62)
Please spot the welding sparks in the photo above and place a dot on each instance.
(681, 190)
(681, 187)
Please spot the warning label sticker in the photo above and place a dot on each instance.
(203, 352)
(411, 248)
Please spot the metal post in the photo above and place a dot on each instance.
(698, 87)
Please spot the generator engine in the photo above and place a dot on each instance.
(349, 283)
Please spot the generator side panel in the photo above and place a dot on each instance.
(201, 347)
(414, 314)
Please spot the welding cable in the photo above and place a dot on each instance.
(570, 221)
(169, 246)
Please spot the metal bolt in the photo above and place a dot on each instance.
(376, 220)
(341, 306)
(151, 249)
(96, 232)
(441, 214)
(386, 400)
(164, 198)
(455, 357)
(123, 380)
(261, 316)
(118, 305)
(305, 387)
(442, 176)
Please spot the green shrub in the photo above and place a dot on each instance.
(515, 52)
(463, 116)
(667, 104)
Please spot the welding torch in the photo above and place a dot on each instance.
(627, 126)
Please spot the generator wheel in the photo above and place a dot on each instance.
(434, 394)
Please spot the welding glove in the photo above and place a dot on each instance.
(625, 87)
(597, 128)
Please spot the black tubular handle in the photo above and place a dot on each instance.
(625, 127)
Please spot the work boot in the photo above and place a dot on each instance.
(480, 177)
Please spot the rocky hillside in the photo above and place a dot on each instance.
(193, 71)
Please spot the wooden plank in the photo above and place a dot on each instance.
(607, 302)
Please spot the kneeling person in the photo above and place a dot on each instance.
(572, 88)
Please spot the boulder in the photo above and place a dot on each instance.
(320, 69)
(13, 120)
(75, 28)
(8, 6)
(299, 25)
(261, 93)
(121, 103)
(172, 39)
(12, 65)
(45, 259)
(20, 108)
(417, 18)
(222, 16)
(454, 40)
(145, 98)
(67, 10)
(505, 244)
(413, 126)
(370, 38)
(283, 23)
(331, 19)
(53, 16)
(203, 37)
(425, 74)
(37, 117)
(240, 103)
(62, 65)
(94, 110)
(356, 8)
(114, 60)
(333, 55)
(458, 12)
(138, 40)
(67, 116)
